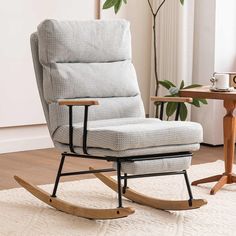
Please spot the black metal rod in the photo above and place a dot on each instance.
(78, 155)
(119, 190)
(189, 188)
(162, 110)
(71, 129)
(177, 112)
(125, 183)
(151, 157)
(132, 158)
(87, 172)
(152, 175)
(58, 176)
(85, 131)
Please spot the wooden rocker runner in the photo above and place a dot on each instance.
(174, 205)
(72, 209)
(88, 75)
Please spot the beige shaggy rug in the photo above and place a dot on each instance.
(22, 214)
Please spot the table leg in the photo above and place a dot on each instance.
(229, 143)
(229, 136)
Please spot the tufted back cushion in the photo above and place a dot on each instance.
(82, 59)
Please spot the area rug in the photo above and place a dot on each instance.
(22, 214)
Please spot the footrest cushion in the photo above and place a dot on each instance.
(156, 166)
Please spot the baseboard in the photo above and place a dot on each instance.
(24, 138)
(18, 145)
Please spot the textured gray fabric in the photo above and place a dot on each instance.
(133, 152)
(132, 133)
(84, 59)
(109, 108)
(156, 166)
(78, 80)
(39, 73)
(84, 41)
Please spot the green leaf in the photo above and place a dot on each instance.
(196, 102)
(181, 85)
(182, 2)
(183, 112)
(166, 84)
(118, 6)
(192, 86)
(171, 108)
(109, 4)
(125, 1)
(203, 101)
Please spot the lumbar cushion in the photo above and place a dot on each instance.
(84, 41)
(78, 80)
(109, 108)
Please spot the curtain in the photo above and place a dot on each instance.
(175, 30)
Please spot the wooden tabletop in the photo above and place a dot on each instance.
(204, 92)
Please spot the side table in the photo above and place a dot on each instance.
(229, 122)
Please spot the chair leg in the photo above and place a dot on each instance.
(119, 187)
(58, 176)
(189, 188)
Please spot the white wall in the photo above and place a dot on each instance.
(225, 44)
(22, 123)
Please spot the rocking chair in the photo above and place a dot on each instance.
(93, 108)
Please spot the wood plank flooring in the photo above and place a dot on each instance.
(40, 166)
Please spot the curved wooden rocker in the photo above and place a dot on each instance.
(74, 209)
(174, 205)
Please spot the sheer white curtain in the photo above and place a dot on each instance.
(175, 30)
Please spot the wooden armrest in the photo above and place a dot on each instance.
(76, 102)
(171, 99)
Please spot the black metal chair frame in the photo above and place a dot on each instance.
(118, 160)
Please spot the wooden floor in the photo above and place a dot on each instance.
(40, 166)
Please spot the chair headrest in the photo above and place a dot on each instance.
(84, 41)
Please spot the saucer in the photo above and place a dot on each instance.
(231, 89)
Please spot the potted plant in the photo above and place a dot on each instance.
(171, 107)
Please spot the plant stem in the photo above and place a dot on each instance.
(150, 5)
(155, 55)
(154, 15)
(159, 8)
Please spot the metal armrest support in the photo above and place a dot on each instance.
(74, 102)
(178, 100)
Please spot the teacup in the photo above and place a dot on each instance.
(221, 81)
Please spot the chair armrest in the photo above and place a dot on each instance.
(171, 99)
(77, 102)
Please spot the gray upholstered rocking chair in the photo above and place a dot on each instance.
(92, 104)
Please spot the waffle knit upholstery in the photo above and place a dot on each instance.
(88, 59)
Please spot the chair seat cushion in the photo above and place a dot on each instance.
(132, 133)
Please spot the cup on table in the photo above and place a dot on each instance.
(232, 79)
(221, 81)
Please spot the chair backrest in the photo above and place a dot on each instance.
(85, 59)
